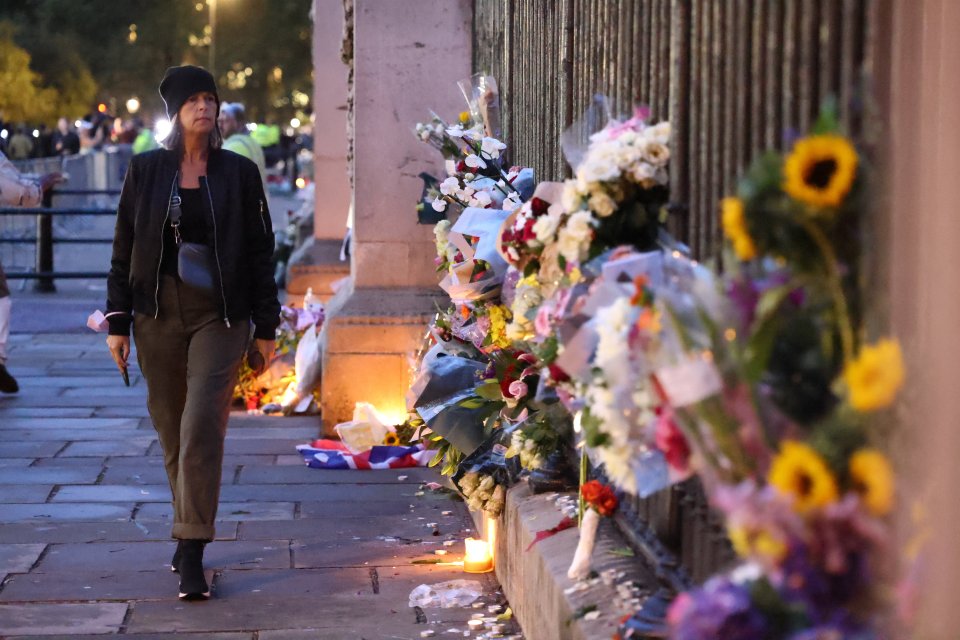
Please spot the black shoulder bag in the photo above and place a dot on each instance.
(194, 260)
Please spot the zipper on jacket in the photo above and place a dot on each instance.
(216, 254)
(156, 293)
(263, 222)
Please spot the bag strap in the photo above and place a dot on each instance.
(176, 212)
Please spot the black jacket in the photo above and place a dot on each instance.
(239, 224)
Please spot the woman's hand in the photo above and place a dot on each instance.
(265, 348)
(120, 350)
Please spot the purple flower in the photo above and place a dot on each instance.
(720, 610)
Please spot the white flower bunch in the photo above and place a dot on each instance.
(441, 233)
(620, 152)
(483, 493)
(527, 448)
(526, 301)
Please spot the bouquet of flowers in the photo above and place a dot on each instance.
(775, 398)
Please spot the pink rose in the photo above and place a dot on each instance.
(518, 389)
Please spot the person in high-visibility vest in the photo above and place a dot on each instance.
(233, 127)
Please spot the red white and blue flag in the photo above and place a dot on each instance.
(332, 454)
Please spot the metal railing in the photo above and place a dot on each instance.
(44, 273)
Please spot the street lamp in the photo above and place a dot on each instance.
(213, 34)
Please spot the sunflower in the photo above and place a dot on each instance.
(872, 478)
(799, 471)
(756, 543)
(734, 224)
(391, 439)
(820, 170)
(875, 376)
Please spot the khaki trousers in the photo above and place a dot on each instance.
(190, 360)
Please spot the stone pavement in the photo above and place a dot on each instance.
(300, 553)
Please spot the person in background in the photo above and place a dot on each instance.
(233, 126)
(146, 139)
(95, 132)
(66, 142)
(20, 146)
(16, 190)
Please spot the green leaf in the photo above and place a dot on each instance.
(625, 552)
(829, 119)
(436, 459)
(473, 402)
(489, 390)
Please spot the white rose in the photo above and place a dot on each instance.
(602, 204)
(571, 197)
(574, 238)
(656, 154)
(658, 133)
(545, 227)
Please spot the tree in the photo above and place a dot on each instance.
(22, 96)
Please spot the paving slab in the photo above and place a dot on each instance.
(45, 412)
(130, 447)
(18, 558)
(355, 528)
(24, 493)
(289, 459)
(145, 636)
(29, 449)
(344, 509)
(154, 474)
(57, 422)
(319, 583)
(91, 583)
(300, 434)
(133, 411)
(15, 462)
(78, 532)
(64, 618)
(368, 494)
(289, 474)
(372, 553)
(64, 512)
(69, 463)
(114, 493)
(67, 435)
(229, 511)
(276, 446)
(153, 556)
(37, 475)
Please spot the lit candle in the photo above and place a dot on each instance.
(478, 558)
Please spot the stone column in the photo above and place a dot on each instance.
(922, 228)
(408, 57)
(317, 263)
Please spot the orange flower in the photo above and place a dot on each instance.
(599, 497)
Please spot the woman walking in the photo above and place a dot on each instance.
(191, 270)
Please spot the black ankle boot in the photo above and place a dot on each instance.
(175, 563)
(193, 584)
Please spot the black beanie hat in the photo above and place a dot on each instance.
(179, 83)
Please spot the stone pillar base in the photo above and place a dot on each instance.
(368, 340)
(316, 264)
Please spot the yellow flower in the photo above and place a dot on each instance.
(735, 228)
(820, 170)
(391, 439)
(464, 117)
(499, 316)
(799, 471)
(756, 543)
(872, 477)
(875, 376)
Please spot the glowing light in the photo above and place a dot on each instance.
(78, 124)
(477, 558)
(491, 536)
(162, 129)
(277, 74)
(3, 134)
(102, 108)
(36, 133)
(578, 422)
(198, 6)
(301, 183)
(294, 122)
(248, 71)
(730, 334)
(133, 105)
(132, 36)
(252, 126)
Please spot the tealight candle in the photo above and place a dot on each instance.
(477, 559)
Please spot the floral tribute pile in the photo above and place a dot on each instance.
(576, 320)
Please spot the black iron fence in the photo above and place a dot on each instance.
(734, 77)
(44, 274)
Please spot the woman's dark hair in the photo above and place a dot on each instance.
(174, 140)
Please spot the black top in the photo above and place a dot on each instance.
(193, 228)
